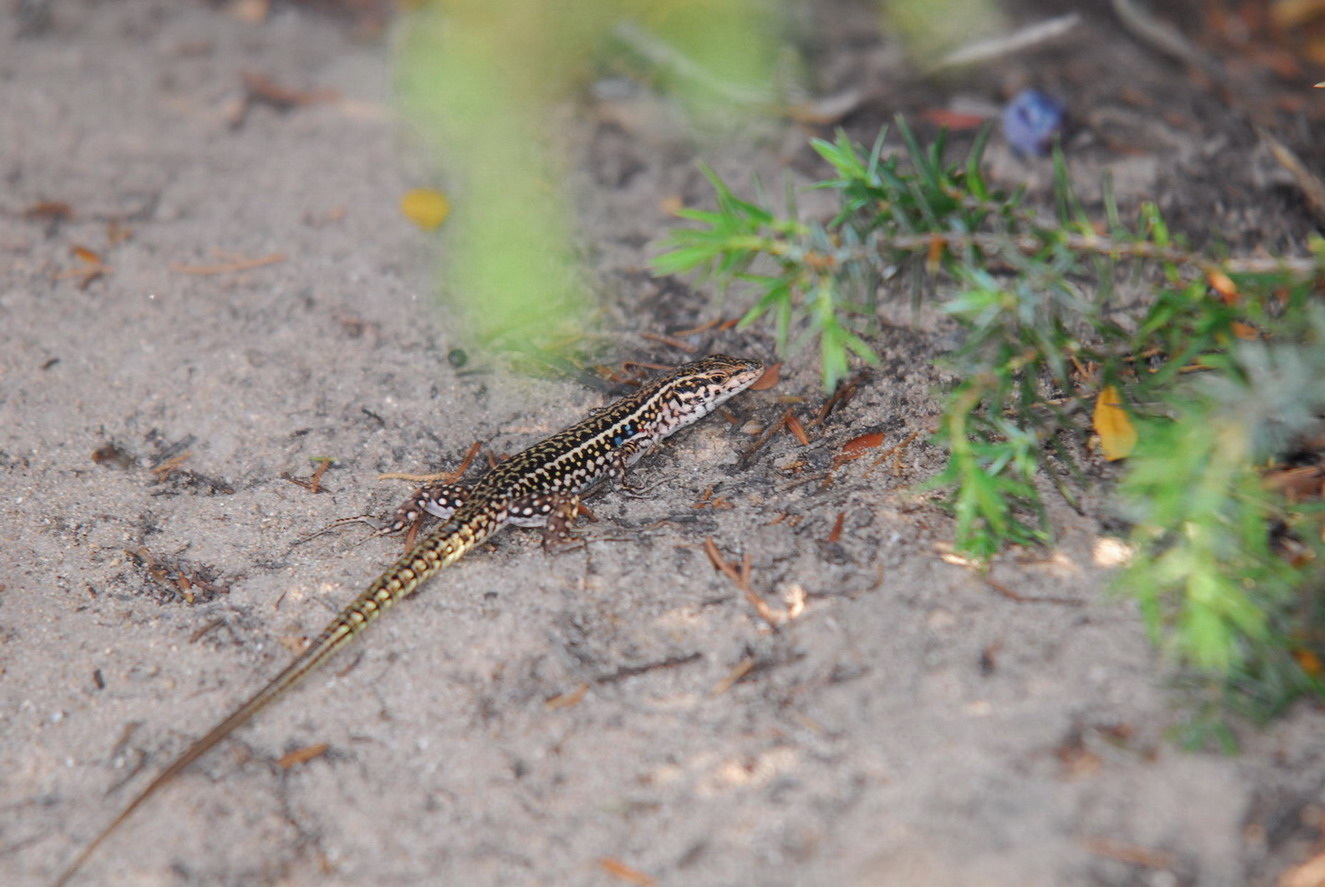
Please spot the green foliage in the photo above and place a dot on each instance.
(1216, 361)
(476, 80)
(1214, 589)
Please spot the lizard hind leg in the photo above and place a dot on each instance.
(440, 500)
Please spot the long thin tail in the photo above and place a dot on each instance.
(444, 546)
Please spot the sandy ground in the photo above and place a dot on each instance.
(525, 718)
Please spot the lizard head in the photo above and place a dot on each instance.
(694, 390)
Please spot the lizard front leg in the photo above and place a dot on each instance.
(554, 512)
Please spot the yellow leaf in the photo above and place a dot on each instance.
(425, 207)
(1243, 331)
(1309, 662)
(1113, 425)
(1224, 285)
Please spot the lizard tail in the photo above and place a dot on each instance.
(442, 547)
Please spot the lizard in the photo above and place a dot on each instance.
(538, 487)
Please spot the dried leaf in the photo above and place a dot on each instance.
(863, 442)
(742, 669)
(953, 120)
(567, 700)
(232, 264)
(1309, 662)
(1224, 285)
(797, 429)
(302, 755)
(771, 377)
(619, 869)
(1297, 484)
(1131, 854)
(263, 89)
(1113, 425)
(49, 210)
(835, 534)
(1244, 331)
(425, 207)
